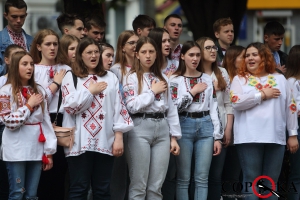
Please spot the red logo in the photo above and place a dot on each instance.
(254, 184)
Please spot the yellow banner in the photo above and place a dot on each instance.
(273, 4)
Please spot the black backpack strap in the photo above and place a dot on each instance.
(60, 94)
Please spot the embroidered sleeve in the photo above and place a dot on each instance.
(51, 142)
(75, 101)
(226, 96)
(136, 102)
(241, 101)
(215, 115)
(122, 119)
(291, 112)
(12, 119)
(182, 99)
(295, 87)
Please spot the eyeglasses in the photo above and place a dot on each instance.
(90, 53)
(210, 48)
(132, 43)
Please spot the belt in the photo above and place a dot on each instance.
(194, 114)
(149, 115)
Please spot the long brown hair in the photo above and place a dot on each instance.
(13, 77)
(157, 34)
(78, 67)
(155, 68)
(65, 42)
(229, 60)
(120, 56)
(267, 60)
(293, 63)
(38, 40)
(185, 47)
(214, 66)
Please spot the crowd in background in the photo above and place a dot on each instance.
(154, 118)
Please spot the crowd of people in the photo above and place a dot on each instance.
(154, 118)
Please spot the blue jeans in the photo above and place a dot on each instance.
(294, 176)
(197, 137)
(147, 152)
(215, 176)
(259, 159)
(24, 177)
(90, 169)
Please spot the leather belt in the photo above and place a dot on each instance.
(149, 115)
(194, 114)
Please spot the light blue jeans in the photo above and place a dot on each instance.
(24, 177)
(147, 152)
(259, 159)
(197, 137)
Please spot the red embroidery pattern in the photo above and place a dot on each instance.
(176, 53)
(17, 38)
(193, 82)
(124, 111)
(4, 104)
(190, 83)
(149, 79)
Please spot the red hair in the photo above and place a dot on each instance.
(267, 61)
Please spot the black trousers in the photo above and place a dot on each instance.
(52, 183)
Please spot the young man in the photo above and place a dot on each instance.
(273, 38)
(95, 28)
(143, 24)
(173, 24)
(71, 24)
(224, 32)
(15, 14)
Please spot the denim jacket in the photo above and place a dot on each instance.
(5, 42)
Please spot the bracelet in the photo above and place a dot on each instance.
(191, 94)
(29, 107)
(265, 95)
(219, 141)
(58, 85)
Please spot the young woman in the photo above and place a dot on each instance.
(28, 137)
(156, 122)
(293, 76)
(125, 54)
(193, 94)
(124, 60)
(11, 49)
(94, 105)
(68, 45)
(106, 55)
(263, 109)
(49, 72)
(162, 39)
(232, 61)
(4, 186)
(219, 75)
